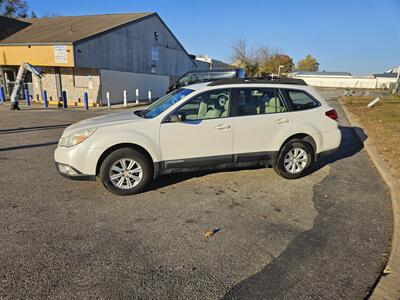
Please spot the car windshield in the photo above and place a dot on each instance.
(164, 103)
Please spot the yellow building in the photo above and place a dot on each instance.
(99, 54)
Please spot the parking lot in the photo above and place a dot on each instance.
(323, 236)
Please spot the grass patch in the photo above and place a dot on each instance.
(382, 125)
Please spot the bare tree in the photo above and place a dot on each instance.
(245, 58)
(264, 55)
(260, 61)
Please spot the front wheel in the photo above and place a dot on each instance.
(125, 172)
(294, 159)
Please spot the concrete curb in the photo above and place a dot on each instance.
(388, 285)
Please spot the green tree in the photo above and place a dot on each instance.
(260, 61)
(273, 63)
(13, 8)
(309, 63)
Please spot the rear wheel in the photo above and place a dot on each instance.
(294, 159)
(126, 171)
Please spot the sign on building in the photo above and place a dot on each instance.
(60, 54)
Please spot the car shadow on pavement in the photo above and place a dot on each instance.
(171, 179)
(349, 146)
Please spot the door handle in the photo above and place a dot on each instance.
(222, 126)
(282, 121)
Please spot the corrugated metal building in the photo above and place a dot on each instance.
(345, 80)
(95, 54)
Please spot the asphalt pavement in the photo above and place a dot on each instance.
(323, 236)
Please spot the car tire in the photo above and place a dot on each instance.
(294, 159)
(126, 172)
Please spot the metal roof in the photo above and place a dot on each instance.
(307, 73)
(386, 75)
(9, 26)
(392, 70)
(56, 30)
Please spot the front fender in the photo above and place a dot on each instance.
(126, 137)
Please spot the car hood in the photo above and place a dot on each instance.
(101, 121)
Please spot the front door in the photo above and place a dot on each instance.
(204, 137)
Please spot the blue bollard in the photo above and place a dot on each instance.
(45, 103)
(64, 98)
(2, 95)
(86, 101)
(27, 99)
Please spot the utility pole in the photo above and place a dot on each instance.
(279, 71)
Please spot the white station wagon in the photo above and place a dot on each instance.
(227, 123)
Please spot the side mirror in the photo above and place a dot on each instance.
(177, 117)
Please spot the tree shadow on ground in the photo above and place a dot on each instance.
(33, 128)
(28, 146)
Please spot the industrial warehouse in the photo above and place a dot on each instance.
(101, 55)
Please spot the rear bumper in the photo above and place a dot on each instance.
(329, 143)
(72, 173)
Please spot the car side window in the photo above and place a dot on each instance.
(300, 100)
(258, 101)
(209, 105)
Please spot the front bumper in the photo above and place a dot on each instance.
(72, 173)
(79, 160)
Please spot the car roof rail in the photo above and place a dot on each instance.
(293, 81)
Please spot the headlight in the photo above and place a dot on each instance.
(75, 139)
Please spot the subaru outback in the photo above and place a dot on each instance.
(284, 124)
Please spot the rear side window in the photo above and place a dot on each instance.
(300, 100)
(258, 101)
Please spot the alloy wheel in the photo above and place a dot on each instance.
(125, 173)
(295, 160)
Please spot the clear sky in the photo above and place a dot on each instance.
(358, 36)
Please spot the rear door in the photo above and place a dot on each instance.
(259, 115)
(307, 110)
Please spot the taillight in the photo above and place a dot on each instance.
(332, 114)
